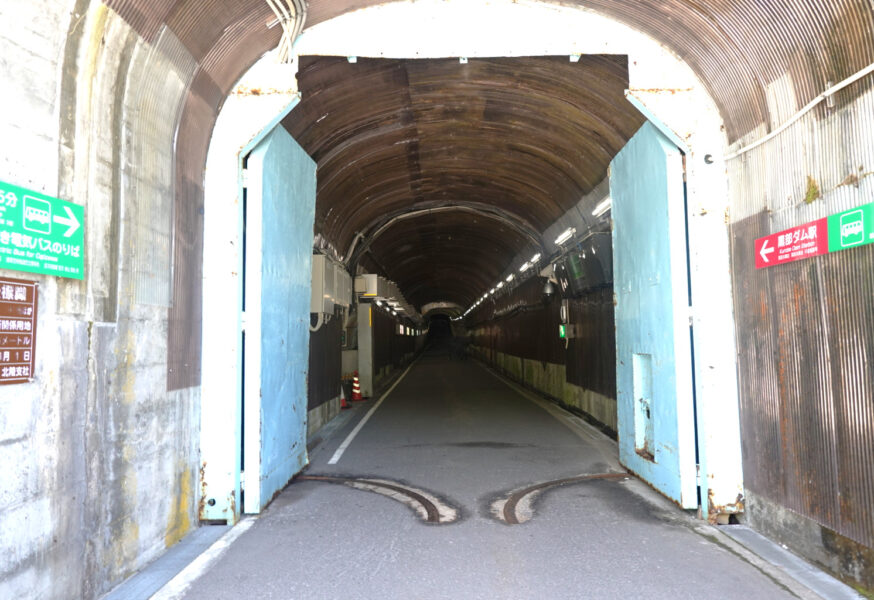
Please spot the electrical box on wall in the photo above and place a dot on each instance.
(331, 285)
(371, 285)
(586, 268)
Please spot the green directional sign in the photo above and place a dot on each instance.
(41, 234)
(851, 228)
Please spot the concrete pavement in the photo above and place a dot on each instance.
(460, 438)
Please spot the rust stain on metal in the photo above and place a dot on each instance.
(715, 510)
(243, 90)
(670, 91)
(806, 415)
(201, 509)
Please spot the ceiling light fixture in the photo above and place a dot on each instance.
(565, 236)
(603, 206)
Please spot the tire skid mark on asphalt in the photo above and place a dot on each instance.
(427, 506)
(518, 507)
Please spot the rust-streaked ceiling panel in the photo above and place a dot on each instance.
(736, 47)
(401, 150)
(520, 138)
(445, 256)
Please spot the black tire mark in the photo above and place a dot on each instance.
(510, 507)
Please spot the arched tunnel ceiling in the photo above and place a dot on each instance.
(525, 138)
(738, 49)
(447, 256)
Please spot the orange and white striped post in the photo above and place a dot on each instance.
(356, 388)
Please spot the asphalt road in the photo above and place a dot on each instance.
(465, 441)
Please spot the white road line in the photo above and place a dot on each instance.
(174, 588)
(354, 432)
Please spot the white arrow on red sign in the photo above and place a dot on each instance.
(765, 251)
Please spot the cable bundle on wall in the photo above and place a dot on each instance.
(292, 16)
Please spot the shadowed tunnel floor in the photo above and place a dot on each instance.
(455, 430)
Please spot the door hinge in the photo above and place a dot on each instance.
(242, 321)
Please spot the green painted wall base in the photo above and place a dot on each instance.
(551, 380)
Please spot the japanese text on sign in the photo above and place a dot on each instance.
(841, 231)
(18, 314)
(40, 234)
(810, 239)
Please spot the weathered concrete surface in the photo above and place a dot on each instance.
(100, 461)
(551, 379)
(843, 557)
(321, 415)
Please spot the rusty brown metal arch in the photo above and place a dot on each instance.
(390, 146)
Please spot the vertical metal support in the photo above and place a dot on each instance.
(365, 348)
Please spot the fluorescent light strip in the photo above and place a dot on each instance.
(565, 236)
(603, 206)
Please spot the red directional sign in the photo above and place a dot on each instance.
(804, 241)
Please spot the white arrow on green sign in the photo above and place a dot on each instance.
(41, 234)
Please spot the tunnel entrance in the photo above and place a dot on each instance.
(450, 176)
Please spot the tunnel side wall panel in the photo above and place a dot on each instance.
(805, 334)
(521, 339)
(391, 350)
(323, 383)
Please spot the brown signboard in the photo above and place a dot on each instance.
(17, 330)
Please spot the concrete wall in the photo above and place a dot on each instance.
(100, 460)
(551, 379)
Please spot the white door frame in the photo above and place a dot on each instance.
(239, 129)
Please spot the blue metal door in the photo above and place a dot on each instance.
(653, 346)
(279, 230)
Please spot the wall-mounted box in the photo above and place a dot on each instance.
(331, 285)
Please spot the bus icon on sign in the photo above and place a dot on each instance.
(852, 228)
(37, 215)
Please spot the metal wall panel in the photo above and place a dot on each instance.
(185, 312)
(163, 72)
(323, 381)
(389, 347)
(806, 329)
(521, 323)
(146, 17)
(591, 355)
(282, 194)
